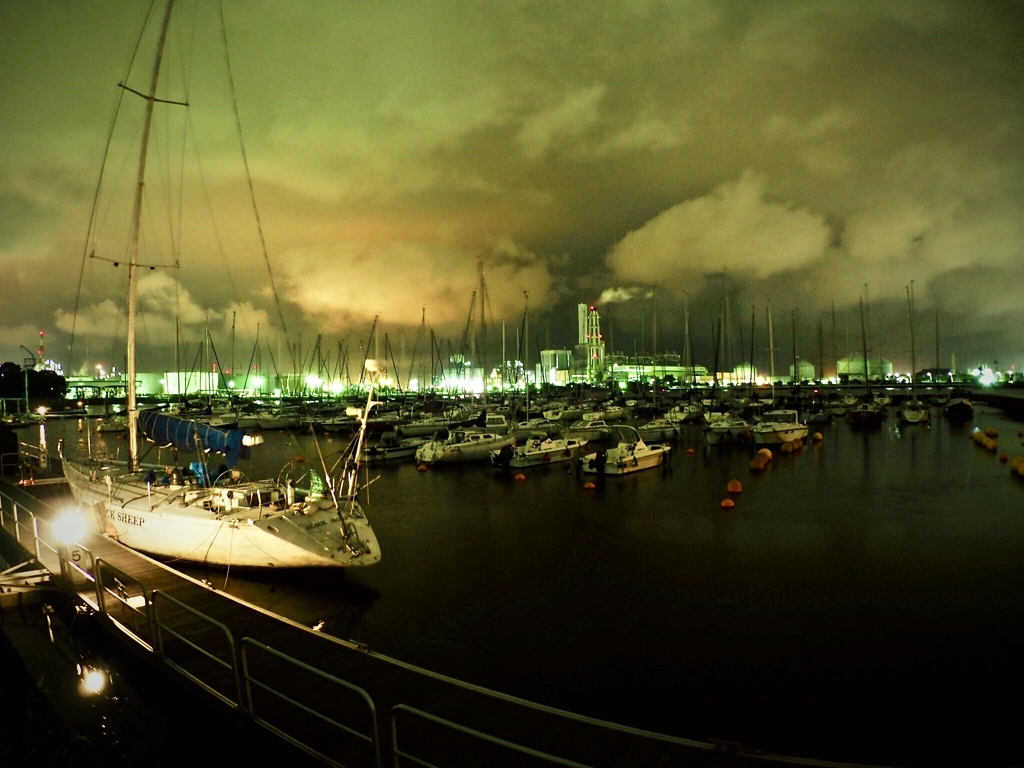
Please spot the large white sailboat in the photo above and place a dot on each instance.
(301, 518)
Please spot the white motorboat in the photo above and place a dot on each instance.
(538, 428)
(539, 452)
(393, 445)
(563, 413)
(659, 430)
(729, 429)
(461, 446)
(685, 413)
(629, 454)
(779, 426)
(594, 430)
(494, 422)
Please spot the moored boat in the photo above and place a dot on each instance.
(779, 426)
(659, 430)
(393, 445)
(462, 446)
(539, 452)
(866, 414)
(629, 454)
(296, 519)
(593, 430)
(959, 407)
(731, 429)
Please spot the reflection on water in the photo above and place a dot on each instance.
(868, 576)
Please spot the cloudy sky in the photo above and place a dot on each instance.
(442, 167)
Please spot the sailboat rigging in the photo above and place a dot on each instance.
(779, 426)
(868, 412)
(215, 517)
(912, 410)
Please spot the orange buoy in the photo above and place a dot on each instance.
(728, 503)
(991, 432)
(422, 467)
(766, 453)
(589, 486)
(1003, 458)
(690, 450)
(758, 463)
(520, 477)
(300, 458)
(817, 437)
(735, 486)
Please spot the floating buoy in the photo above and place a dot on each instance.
(300, 458)
(589, 486)
(1016, 461)
(422, 467)
(758, 463)
(690, 450)
(728, 503)
(817, 437)
(991, 432)
(1003, 458)
(520, 477)
(735, 486)
(766, 453)
(987, 442)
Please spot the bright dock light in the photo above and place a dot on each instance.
(70, 527)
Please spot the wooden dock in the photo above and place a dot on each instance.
(329, 701)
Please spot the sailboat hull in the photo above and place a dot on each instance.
(241, 524)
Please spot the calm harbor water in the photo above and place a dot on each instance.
(861, 602)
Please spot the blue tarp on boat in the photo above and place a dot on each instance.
(166, 430)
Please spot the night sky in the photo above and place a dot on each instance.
(727, 156)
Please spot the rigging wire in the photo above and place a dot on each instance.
(248, 174)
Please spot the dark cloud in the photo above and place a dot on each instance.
(651, 156)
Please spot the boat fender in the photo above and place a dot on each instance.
(567, 453)
(546, 457)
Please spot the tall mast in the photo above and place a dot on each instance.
(913, 353)
(687, 349)
(526, 350)
(771, 348)
(864, 341)
(133, 261)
